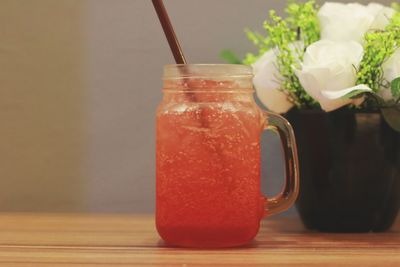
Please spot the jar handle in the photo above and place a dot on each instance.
(289, 194)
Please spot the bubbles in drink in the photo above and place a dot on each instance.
(208, 169)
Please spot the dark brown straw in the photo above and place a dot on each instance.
(175, 47)
(169, 32)
(173, 42)
(176, 51)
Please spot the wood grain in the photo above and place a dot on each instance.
(129, 240)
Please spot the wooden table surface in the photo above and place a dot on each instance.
(128, 240)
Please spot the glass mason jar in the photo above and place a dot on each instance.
(208, 157)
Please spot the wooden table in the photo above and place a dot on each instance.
(127, 240)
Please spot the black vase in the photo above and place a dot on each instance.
(350, 170)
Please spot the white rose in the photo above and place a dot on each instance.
(382, 15)
(328, 72)
(267, 81)
(350, 22)
(391, 70)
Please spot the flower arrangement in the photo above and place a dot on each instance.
(328, 57)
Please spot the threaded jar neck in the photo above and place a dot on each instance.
(208, 78)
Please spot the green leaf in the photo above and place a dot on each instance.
(392, 117)
(230, 57)
(354, 94)
(395, 87)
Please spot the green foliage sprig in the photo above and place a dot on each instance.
(281, 36)
(378, 48)
(302, 21)
(394, 24)
(301, 24)
(303, 18)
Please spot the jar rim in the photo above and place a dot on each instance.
(179, 71)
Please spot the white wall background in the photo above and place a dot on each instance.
(79, 84)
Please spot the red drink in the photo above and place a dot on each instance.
(208, 178)
(208, 163)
